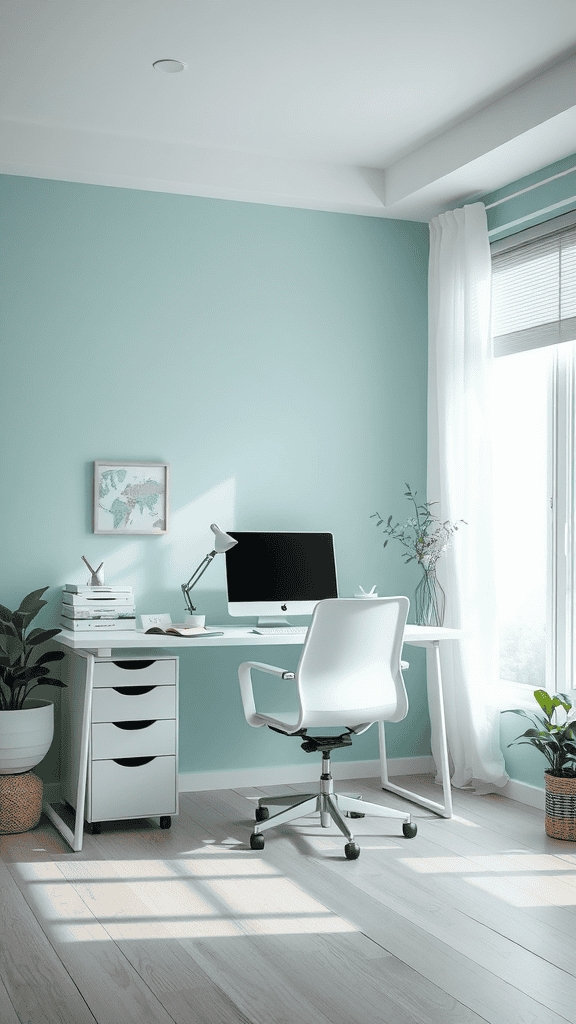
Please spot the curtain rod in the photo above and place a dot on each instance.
(571, 201)
(529, 188)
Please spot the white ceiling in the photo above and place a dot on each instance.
(394, 109)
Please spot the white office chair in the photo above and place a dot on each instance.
(349, 676)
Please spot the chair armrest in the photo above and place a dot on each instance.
(271, 669)
(247, 690)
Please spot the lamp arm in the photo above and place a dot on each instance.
(187, 587)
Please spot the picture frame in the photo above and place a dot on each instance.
(130, 498)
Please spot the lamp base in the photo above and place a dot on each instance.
(194, 620)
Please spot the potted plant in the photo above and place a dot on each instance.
(553, 733)
(26, 723)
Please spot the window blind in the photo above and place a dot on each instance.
(534, 293)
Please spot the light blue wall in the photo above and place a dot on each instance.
(275, 357)
(558, 197)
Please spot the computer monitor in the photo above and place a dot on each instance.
(271, 575)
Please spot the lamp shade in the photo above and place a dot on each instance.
(223, 540)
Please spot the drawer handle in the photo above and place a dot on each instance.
(132, 762)
(144, 723)
(133, 691)
(133, 666)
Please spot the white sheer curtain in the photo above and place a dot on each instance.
(460, 480)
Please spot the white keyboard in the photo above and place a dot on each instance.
(279, 630)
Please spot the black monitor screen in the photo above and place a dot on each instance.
(281, 567)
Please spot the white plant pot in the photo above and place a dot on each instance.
(25, 736)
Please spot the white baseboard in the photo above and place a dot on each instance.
(194, 782)
(535, 796)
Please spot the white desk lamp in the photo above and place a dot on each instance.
(223, 543)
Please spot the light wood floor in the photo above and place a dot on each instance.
(473, 920)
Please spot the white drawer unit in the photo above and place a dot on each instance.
(136, 672)
(125, 711)
(127, 703)
(133, 738)
(133, 787)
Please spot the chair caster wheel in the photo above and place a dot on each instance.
(256, 841)
(409, 829)
(355, 814)
(165, 821)
(262, 814)
(352, 851)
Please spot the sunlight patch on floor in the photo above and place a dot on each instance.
(155, 928)
(524, 891)
(506, 861)
(221, 894)
(520, 879)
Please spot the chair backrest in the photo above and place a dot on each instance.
(349, 671)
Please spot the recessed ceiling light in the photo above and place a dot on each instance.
(169, 66)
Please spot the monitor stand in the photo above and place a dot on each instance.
(272, 620)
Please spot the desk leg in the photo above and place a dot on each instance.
(438, 722)
(80, 714)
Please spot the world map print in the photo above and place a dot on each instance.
(130, 499)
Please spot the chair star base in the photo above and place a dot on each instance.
(331, 806)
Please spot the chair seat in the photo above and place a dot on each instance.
(280, 719)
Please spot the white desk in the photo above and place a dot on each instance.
(105, 643)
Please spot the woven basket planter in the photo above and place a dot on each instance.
(20, 802)
(560, 807)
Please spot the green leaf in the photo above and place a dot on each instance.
(5, 614)
(542, 736)
(8, 629)
(24, 675)
(545, 701)
(41, 636)
(19, 622)
(530, 715)
(32, 603)
(50, 656)
(11, 646)
(45, 682)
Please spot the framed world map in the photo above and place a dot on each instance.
(130, 497)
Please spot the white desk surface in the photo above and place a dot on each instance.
(233, 636)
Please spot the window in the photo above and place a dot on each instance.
(534, 328)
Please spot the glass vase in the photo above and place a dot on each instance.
(429, 600)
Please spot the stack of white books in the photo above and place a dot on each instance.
(88, 609)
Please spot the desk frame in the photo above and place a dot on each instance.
(122, 643)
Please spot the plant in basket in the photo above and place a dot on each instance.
(553, 733)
